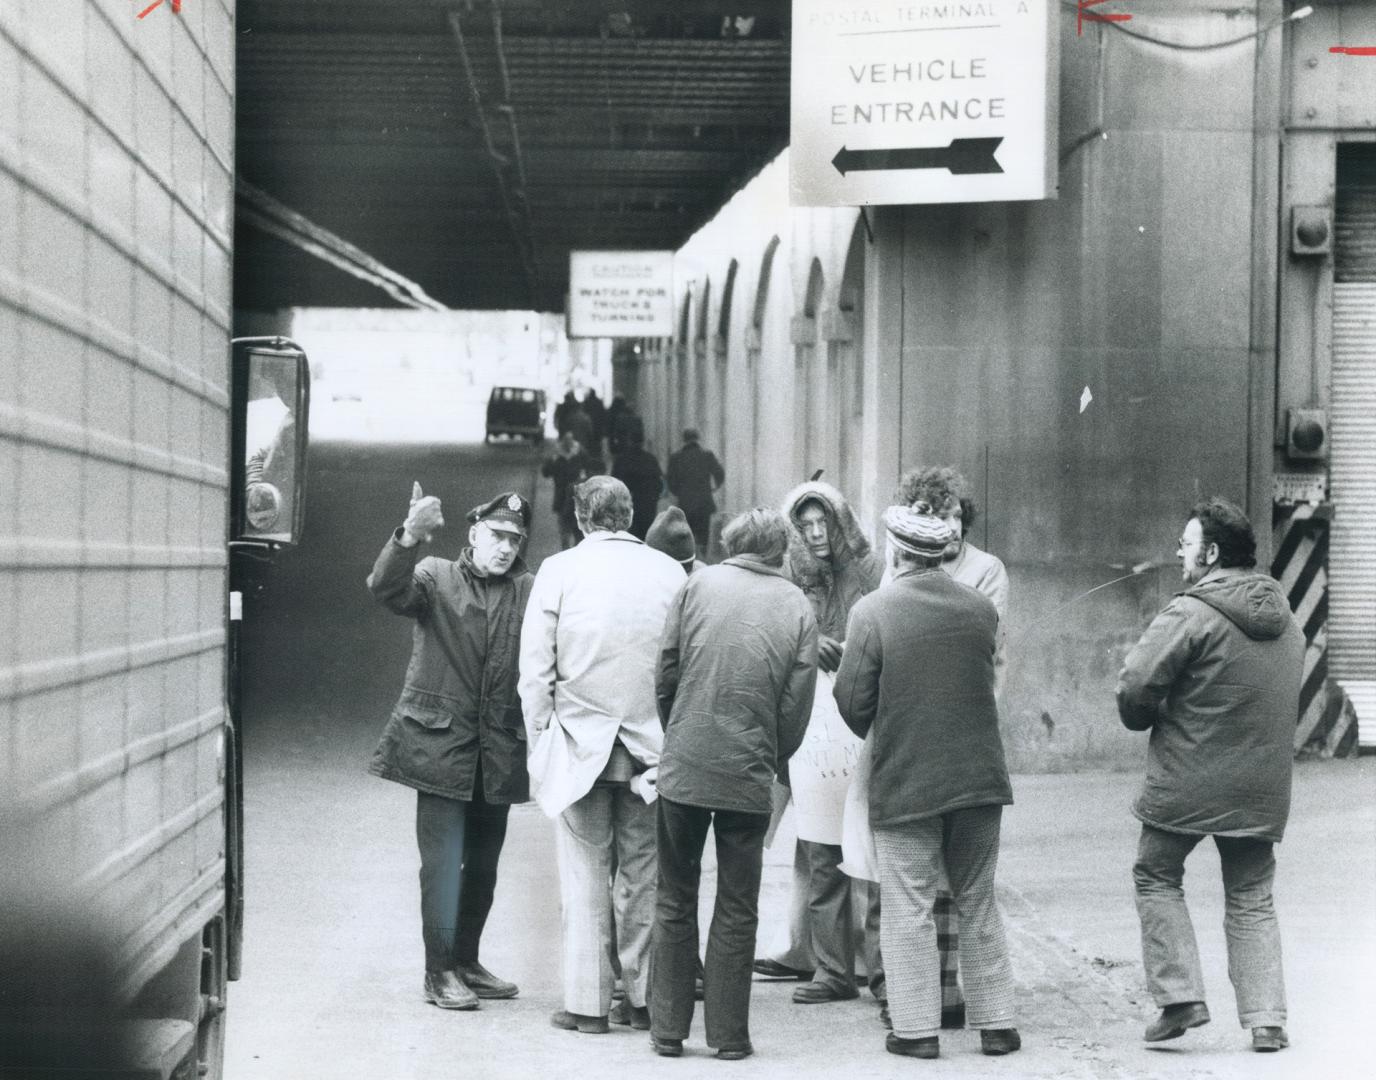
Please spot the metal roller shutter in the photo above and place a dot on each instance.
(1352, 552)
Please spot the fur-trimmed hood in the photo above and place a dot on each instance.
(853, 570)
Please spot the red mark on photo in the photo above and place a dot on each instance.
(1084, 15)
(1353, 50)
(176, 7)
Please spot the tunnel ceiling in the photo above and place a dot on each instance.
(596, 124)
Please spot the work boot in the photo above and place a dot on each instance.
(482, 982)
(445, 989)
(667, 1047)
(1266, 1040)
(928, 1047)
(628, 1015)
(995, 1042)
(1176, 1019)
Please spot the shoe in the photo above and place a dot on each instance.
(1176, 1019)
(1266, 1040)
(735, 1053)
(483, 983)
(884, 1017)
(588, 1025)
(929, 1047)
(953, 1017)
(775, 970)
(667, 1047)
(816, 993)
(445, 989)
(628, 1015)
(995, 1042)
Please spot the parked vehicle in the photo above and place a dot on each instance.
(121, 858)
(518, 411)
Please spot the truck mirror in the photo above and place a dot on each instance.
(270, 413)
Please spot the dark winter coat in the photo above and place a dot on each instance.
(737, 671)
(639, 470)
(567, 471)
(692, 475)
(917, 675)
(835, 584)
(459, 705)
(1216, 680)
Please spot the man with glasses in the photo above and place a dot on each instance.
(1216, 681)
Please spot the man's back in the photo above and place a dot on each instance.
(918, 673)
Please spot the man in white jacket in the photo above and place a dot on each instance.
(589, 648)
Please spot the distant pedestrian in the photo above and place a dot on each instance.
(577, 422)
(568, 466)
(597, 416)
(639, 470)
(693, 475)
(1216, 680)
(671, 535)
(917, 676)
(589, 650)
(566, 406)
(736, 677)
(615, 412)
(450, 735)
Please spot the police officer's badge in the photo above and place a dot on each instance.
(514, 503)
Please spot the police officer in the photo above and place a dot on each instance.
(456, 734)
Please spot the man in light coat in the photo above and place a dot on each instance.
(1216, 680)
(738, 667)
(589, 648)
(917, 676)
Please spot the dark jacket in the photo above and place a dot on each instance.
(737, 671)
(638, 469)
(567, 471)
(835, 584)
(459, 704)
(692, 475)
(919, 669)
(1216, 680)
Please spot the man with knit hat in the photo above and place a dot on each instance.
(451, 735)
(670, 534)
(917, 676)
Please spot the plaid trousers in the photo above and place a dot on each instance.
(911, 855)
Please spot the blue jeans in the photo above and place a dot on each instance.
(460, 843)
(1170, 954)
(682, 832)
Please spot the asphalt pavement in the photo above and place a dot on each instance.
(333, 962)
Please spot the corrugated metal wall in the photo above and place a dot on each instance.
(116, 181)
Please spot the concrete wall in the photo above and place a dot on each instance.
(1150, 282)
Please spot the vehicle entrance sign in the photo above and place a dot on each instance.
(621, 294)
(900, 101)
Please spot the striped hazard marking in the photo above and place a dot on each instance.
(1327, 724)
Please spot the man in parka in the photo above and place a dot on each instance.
(456, 735)
(1216, 680)
(831, 560)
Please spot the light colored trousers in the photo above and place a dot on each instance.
(608, 825)
(911, 856)
(1170, 953)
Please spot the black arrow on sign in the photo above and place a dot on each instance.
(962, 157)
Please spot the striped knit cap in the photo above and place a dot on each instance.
(917, 530)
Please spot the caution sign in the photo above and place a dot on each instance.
(621, 294)
(908, 102)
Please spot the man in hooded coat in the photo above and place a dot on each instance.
(1216, 680)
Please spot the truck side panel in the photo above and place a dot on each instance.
(116, 195)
